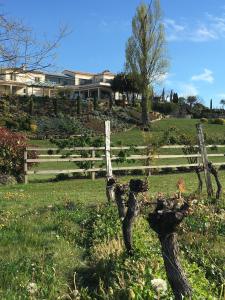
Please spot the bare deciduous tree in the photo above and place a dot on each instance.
(21, 51)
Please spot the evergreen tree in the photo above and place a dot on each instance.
(78, 105)
(175, 98)
(163, 95)
(171, 96)
(211, 106)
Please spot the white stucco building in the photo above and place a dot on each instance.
(38, 83)
(91, 84)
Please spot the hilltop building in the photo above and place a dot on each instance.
(16, 81)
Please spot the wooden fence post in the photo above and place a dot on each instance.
(107, 150)
(148, 171)
(205, 161)
(25, 167)
(93, 173)
(110, 181)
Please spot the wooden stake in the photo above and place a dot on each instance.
(107, 150)
(204, 160)
(93, 173)
(25, 167)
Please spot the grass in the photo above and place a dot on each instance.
(136, 137)
(45, 232)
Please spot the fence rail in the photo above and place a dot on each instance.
(44, 158)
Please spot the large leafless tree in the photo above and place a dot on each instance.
(21, 51)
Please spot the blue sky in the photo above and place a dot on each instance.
(195, 32)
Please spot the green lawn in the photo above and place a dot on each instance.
(45, 233)
(50, 231)
(136, 137)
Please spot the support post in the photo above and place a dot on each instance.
(110, 181)
(99, 94)
(93, 173)
(107, 150)
(25, 167)
(148, 171)
(205, 161)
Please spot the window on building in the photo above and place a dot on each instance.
(85, 81)
(37, 79)
(13, 77)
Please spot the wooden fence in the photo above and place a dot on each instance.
(43, 157)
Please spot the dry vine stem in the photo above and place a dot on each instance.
(164, 221)
(110, 188)
(120, 192)
(136, 186)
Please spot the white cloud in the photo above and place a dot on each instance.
(211, 28)
(206, 76)
(202, 34)
(173, 29)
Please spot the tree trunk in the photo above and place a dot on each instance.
(164, 221)
(214, 172)
(133, 100)
(110, 189)
(200, 183)
(174, 271)
(120, 191)
(136, 186)
(144, 112)
(128, 221)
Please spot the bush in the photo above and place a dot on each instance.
(11, 124)
(218, 121)
(61, 125)
(12, 147)
(33, 128)
(204, 120)
(165, 107)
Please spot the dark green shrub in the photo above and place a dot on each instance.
(165, 108)
(11, 124)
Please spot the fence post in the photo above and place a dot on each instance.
(25, 167)
(148, 171)
(93, 173)
(205, 161)
(107, 150)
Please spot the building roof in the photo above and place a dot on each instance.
(80, 72)
(88, 73)
(57, 74)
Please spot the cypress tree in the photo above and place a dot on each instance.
(78, 105)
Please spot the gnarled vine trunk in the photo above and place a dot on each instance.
(164, 221)
(214, 172)
(136, 186)
(132, 212)
(110, 189)
(200, 183)
(120, 191)
(174, 271)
